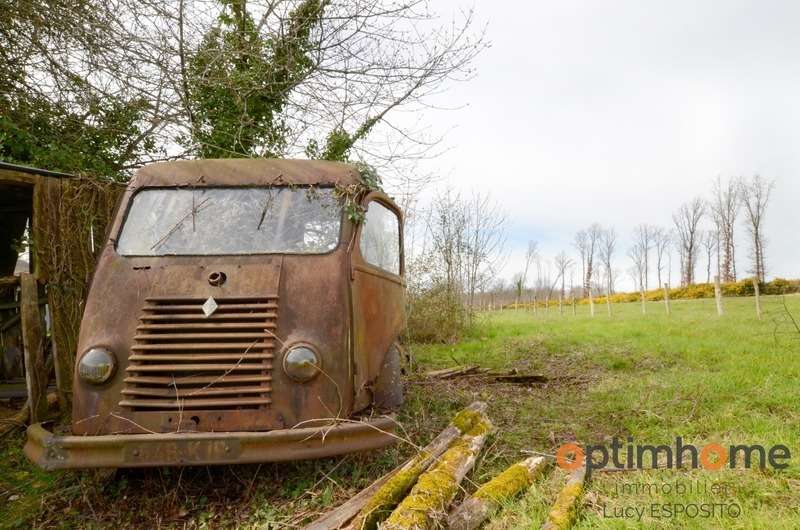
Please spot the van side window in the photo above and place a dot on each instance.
(380, 238)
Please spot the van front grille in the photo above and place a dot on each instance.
(183, 360)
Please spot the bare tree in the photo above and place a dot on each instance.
(687, 220)
(608, 243)
(594, 232)
(287, 78)
(522, 279)
(755, 195)
(447, 231)
(637, 254)
(586, 241)
(582, 245)
(644, 237)
(710, 241)
(661, 243)
(484, 235)
(607, 246)
(539, 287)
(461, 257)
(562, 263)
(725, 204)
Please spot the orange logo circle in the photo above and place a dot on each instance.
(563, 456)
(707, 451)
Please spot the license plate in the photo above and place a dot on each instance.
(183, 451)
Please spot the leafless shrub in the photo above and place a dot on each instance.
(462, 252)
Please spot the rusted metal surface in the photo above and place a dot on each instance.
(378, 310)
(50, 451)
(181, 370)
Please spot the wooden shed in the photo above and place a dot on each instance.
(51, 227)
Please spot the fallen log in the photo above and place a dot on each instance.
(449, 373)
(475, 510)
(338, 518)
(435, 489)
(562, 514)
(486, 375)
(521, 379)
(375, 503)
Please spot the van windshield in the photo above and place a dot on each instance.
(224, 221)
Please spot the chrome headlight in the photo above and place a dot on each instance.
(301, 363)
(97, 366)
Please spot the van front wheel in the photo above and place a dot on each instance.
(388, 390)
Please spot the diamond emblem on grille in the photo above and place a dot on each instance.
(210, 306)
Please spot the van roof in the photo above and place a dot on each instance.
(245, 171)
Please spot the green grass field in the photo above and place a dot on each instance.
(693, 374)
(730, 380)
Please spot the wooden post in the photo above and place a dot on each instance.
(644, 302)
(535, 310)
(63, 381)
(561, 304)
(757, 291)
(574, 309)
(718, 295)
(666, 298)
(547, 304)
(33, 343)
(608, 302)
(591, 302)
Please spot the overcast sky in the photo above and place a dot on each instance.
(619, 111)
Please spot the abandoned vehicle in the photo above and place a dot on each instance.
(240, 311)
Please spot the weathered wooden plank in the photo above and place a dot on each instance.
(9, 281)
(33, 343)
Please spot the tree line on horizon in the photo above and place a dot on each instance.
(457, 250)
(703, 231)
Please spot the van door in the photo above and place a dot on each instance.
(377, 291)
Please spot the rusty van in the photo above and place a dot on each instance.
(239, 313)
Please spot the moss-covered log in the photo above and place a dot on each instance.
(563, 512)
(490, 497)
(435, 489)
(377, 506)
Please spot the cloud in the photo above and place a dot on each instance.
(617, 112)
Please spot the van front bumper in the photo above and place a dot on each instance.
(51, 451)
